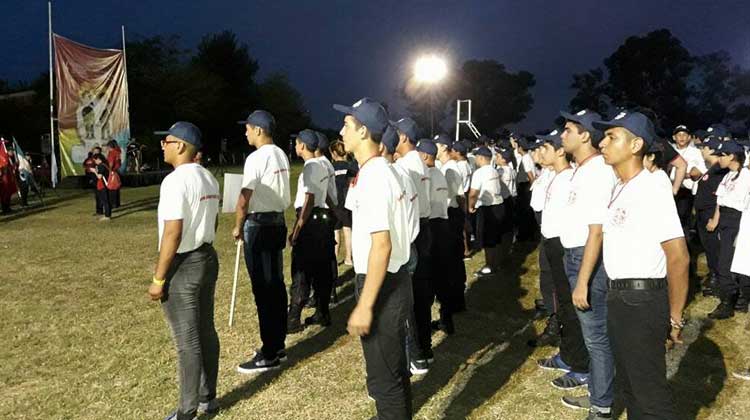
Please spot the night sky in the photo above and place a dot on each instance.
(339, 51)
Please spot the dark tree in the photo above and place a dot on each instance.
(279, 98)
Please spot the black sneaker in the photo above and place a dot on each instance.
(571, 380)
(294, 326)
(281, 354)
(419, 367)
(579, 403)
(259, 364)
(741, 305)
(443, 325)
(596, 413)
(317, 319)
(723, 311)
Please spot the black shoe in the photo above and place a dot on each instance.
(334, 296)
(741, 305)
(312, 302)
(724, 310)
(708, 291)
(259, 364)
(318, 319)
(294, 326)
(419, 367)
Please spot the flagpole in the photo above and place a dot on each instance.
(53, 167)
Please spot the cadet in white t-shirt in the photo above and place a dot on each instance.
(187, 268)
(486, 199)
(696, 167)
(332, 201)
(443, 257)
(646, 258)
(455, 179)
(411, 162)
(310, 238)
(731, 200)
(458, 153)
(259, 223)
(381, 232)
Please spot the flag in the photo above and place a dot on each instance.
(92, 102)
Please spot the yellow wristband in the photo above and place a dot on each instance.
(157, 281)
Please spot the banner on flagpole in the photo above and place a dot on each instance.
(92, 101)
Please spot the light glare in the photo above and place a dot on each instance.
(430, 69)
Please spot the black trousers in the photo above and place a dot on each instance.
(709, 240)
(383, 348)
(265, 239)
(684, 203)
(422, 290)
(572, 347)
(638, 325)
(102, 198)
(311, 266)
(729, 226)
(444, 263)
(546, 282)
(455, 240)
(525, 222)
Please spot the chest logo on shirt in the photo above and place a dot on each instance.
(705, 177)
(572, 198)
(619, 216)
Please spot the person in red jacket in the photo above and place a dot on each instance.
(114, 159)
(102, 174)
(7, 177)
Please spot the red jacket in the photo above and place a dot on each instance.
(114, 158)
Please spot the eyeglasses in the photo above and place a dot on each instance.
(163, 142)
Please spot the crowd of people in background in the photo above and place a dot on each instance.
(616, 210)
(102, 174)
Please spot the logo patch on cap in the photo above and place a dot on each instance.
(582, 112)
(710, 129)
(553, 133)
(720, 146)
(621, 115)
(356, 104)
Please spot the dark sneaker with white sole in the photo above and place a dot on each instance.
(553, 363)
(281, 354)
(419, 367)
(596, 413)
(580, 403)
(743, 374)
(571, 380)
(259, 364)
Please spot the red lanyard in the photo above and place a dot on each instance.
(613, 199)
(356, 177)
(582, 163)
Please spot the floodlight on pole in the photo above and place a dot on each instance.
(430, 69)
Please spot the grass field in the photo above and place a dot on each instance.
(80, 339)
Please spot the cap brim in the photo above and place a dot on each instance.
(161, 133)
(604, 125)
(570, 117)
(243, 122)
(343, 109)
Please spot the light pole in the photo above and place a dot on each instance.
(430, 69)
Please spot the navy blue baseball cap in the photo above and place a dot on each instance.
(711, 142)
(460, 147)
(427, 146)
(635, 122)
(309, 138)
(184, 131)
(262, 119)
(586, 118)
(718, 130)
(483, 151)
(554, 138)
(701, 134)
(727, 148)
(679, 129)
(368, 112)
(443, 138)
(323, 142)
(390, 139)
(408, 127)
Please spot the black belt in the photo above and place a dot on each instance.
(267, 217)
(638, 284)
(424, 220)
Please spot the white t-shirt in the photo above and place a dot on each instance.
(642, 215)
(438, 194)
(733, 192)
(418, 172)
(378, 202)
(528, 163)
(454, 180)
(191, 194)
(660, 174)
(331, 179)
(554, 214)
(539, 187)
(439, 164)
(694, 159)
(312, 180)
(591, 187)
(507, 181)
(740, 262)
(464, 169)
(486, 180)
(266, 173)
(412, 202)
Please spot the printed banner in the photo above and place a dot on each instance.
(92, 102)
